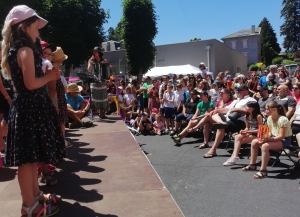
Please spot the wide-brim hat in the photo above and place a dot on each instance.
(22, 12)
(73, 87)
(58, 55)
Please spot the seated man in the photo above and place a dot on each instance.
(76, 106)
(203, 107)
(189, 109)
(231, 125)
(287, 101)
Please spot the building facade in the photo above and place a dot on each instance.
(247, 42)
(216, 56)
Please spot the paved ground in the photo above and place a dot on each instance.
(106, 174)
(204, 187)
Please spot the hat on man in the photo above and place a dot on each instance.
(243, 87)
(260, 88)
(99, 49)
(203, 93)
(216, 83)
(202, 64)
(22, 12)
(58, 55)
(73, 87)
(228, 76)
(46, 45)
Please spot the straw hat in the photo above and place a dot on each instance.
(59, 55)
(73, 87)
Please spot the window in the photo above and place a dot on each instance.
(233, 44)
(245, 43)
(246, 54)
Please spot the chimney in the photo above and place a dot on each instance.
(252, 29)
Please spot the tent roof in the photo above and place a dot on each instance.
(167, 70)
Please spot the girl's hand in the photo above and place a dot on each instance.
(53, 74)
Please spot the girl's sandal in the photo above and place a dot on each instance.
(203, 146)
(46, 211)
(48, 198)
(261, 174)
(250, 167)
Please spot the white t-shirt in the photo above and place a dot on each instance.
(215, 96)
(46, 63)
(178, 98)
(64, 81)
(128, 98)
(169, 96)
(203, 73)
(283, 80)
(239, 103)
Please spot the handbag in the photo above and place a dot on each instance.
(234, 116)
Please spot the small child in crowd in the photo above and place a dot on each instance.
(178, 99)
(144, 124)
(112, 107)
(153, 115)
(158, 125)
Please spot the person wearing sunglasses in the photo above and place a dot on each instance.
(287, 101)
(296, 92)
(264, 99)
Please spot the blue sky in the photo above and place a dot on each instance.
(181, 20)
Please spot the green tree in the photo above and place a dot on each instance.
(114, 34)
(195, 39)
(269, 45)
(277, 60)
(291, 26)
(74, 25)
(138, 29)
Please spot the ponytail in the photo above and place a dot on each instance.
(280, 109)
(5, 45)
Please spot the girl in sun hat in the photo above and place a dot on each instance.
(34, 134)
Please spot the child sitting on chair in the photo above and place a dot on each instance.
(112, 105)
(157, 125)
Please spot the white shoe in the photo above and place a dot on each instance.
(288, 151)
(231, 161)
(166, 131)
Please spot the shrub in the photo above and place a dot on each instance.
(277, 60)
(253, 67)
(288, 62)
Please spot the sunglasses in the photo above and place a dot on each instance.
(295, 88)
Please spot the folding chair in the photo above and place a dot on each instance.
(279, 153)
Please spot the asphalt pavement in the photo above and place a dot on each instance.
(204, 187)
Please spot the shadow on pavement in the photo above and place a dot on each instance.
(7, 174)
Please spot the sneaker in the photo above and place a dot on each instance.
(231, 161)
(74, 125)
(176, 139)
(87, 124)
(166, 131)
(67, 144)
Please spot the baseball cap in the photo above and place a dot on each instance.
(46, 45)
(216, 83)
(265, 87)
(22, 12)
(204, 93)
(243, 87)
(228, 76)
(155, 110)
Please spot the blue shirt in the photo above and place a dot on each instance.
(74, 102)
(263, 80)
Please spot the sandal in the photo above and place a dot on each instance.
(250, 167)
(261, 174)
(46, 211)
(176, 139)
(52, 199)
(48, 179)
(204, 145)
(208, 155)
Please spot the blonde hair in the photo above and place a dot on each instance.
(5, 45)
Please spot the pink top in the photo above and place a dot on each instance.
(158, 125)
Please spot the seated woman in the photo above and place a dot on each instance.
(226, 98)
(204, 107)
(189, 109)
(253, 119)
(295, 122)
(280, 137)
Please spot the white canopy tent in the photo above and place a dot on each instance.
(168, 70)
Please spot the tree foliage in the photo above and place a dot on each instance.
(195, 39)
(277, 60)
(269, 45)
(74, 25)
(253, 67)
(291, 26)
(114, 34)
(138, 30)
